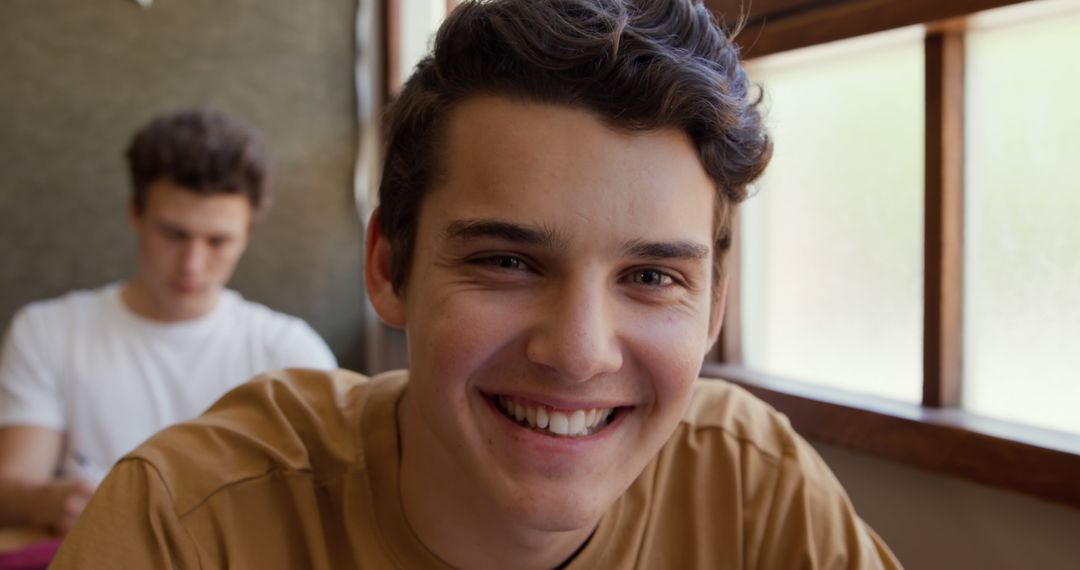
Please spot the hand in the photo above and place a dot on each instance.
(62, 501)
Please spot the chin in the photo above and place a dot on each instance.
(559, 512)
(189, 307)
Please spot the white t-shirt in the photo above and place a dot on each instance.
(85, 364)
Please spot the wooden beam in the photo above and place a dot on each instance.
(729, 347)
(944, 220)
(392, 43)
(782, 25)
(731, 11)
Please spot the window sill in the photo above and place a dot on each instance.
(1039, 462)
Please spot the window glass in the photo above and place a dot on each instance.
(832, 241)
(419, 20)
(1022, 273)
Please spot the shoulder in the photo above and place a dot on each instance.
(288, 341)
(69, 305)
(266, 323)
(721, 409)
(48, 320)
(727, 429)
(283, 422)
(739, 455)
(254, 313)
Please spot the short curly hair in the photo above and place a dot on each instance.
(204, 151)
(636, 64)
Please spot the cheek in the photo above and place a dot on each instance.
(226, 259)
(447, 352)
(153, 247)
(457, 341)
(671, 350)
(457, 335)
(159, 255)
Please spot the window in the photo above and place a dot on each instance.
(978, 300)
(424, 18)
(1022, 274)
(410, 27)
(832, 261)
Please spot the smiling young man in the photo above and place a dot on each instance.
(554, 214)
(86, 377)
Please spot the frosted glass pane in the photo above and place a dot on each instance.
(419, 20)
(1022, 345)
(832, 255)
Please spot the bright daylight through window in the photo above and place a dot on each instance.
(1022, 274)
(832, 258)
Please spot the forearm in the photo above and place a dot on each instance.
(55, 504)
(21, 502)
(30, 494)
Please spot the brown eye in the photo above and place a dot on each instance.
(652, 278)
(504, 262)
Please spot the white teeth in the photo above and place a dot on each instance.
(560, 425)
(574, 423)
(577, 422)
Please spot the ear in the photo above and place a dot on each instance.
(716, 316)
(387, 303)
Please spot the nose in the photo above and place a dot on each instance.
(576, 338)
(193, 257)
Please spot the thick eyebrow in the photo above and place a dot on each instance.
(549, 239)
(666, 250)
(486, 228)
(179, 230)
(166, 226)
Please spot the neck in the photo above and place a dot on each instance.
(459, 524)
(140, 299)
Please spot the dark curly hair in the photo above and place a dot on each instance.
(204, 151)
(636, 64)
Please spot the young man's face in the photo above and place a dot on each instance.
(189, 245)
(562, 269)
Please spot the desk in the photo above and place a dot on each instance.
(14, 538)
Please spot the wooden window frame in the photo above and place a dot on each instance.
(936, 435)
(391, 60)
(391, 34)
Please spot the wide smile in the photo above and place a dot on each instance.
(556, 422)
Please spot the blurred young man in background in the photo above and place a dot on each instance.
(86, 377)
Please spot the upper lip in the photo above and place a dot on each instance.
(558, 402)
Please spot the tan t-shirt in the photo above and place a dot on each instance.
(299, 470)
